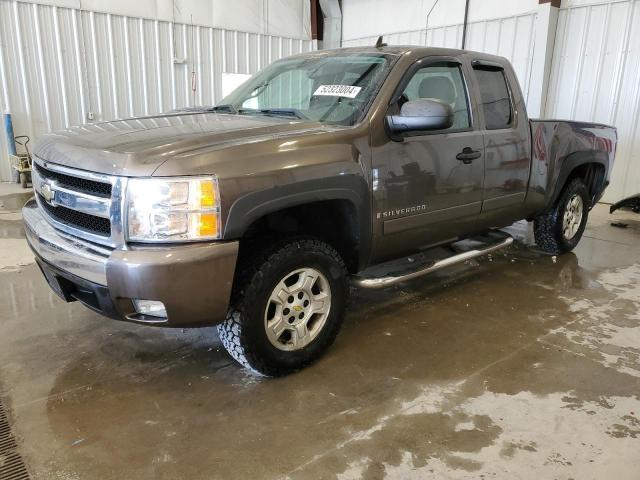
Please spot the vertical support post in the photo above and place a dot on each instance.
(315, 24)
(545, 37)
(332, 24)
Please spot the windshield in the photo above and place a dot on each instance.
(333, 89)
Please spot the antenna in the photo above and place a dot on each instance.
(380, 43)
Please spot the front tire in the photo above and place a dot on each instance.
(287, 307)
(559, 230)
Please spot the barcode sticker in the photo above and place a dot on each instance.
(348, 91)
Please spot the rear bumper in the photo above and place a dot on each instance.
(192, 281)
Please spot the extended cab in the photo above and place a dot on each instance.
(319, 171)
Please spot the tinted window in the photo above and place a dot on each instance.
(442, 82)
(494, 98)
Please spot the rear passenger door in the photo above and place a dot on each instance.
(506, 137)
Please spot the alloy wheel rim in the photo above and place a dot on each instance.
(297, 309)
(572, 217)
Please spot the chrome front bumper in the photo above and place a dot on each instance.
(193, 281)
(83, 259)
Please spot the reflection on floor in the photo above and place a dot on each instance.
(515, 362)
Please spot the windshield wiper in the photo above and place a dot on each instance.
(224, 108)
(286, 112)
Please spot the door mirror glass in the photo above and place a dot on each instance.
(423, 114)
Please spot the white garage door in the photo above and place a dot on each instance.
(596, 77)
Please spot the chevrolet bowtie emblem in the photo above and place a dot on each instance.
(297, 308)
(47, 193)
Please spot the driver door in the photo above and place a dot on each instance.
(425, 189)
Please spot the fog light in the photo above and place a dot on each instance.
(150, 308)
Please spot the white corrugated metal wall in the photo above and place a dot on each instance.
(511, 37)
(596, 76)
(61, 66)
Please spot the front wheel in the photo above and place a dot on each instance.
(287, 307)
(560, 230)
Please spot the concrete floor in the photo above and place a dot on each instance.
(517, 366)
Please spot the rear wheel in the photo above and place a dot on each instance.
(560, 230)
(287, 307)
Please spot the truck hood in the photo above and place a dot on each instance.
(138, 146)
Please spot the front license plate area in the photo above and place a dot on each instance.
(61, 286)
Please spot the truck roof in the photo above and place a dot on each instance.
(417, 51)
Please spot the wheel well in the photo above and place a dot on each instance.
(593, 176)
(333, 221)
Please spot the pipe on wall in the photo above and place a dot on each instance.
(426, 26)
(465, 24)
(8, 128)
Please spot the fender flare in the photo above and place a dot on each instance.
(569, 164)
(255, 205)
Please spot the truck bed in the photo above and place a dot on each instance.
(559, 147)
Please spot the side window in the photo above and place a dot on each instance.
(442, 82)
(494, 98)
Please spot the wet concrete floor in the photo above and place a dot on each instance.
(519, 365)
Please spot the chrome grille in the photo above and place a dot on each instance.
(85, 204)
(74, 218)
(79, 184)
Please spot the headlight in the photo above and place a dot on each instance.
(173, 210)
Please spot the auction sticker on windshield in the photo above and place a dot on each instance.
(348, 91)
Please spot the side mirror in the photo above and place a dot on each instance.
(424, 114)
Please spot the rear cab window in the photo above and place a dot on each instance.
(495, 98)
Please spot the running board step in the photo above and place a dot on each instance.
(366, 281)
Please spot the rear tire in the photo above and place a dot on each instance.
(287, 307)
(24, 181)
(559, 230)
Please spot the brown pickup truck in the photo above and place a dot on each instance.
(319, 172)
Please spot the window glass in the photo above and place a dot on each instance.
(335, 88)
(494, 98)
(445, 83)
(289, 89)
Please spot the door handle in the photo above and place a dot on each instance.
(468, 155)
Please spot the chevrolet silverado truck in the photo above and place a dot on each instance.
(316, 175)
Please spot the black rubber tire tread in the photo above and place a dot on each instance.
(547, 228)
(258, 271)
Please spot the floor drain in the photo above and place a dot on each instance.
(11, 465)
